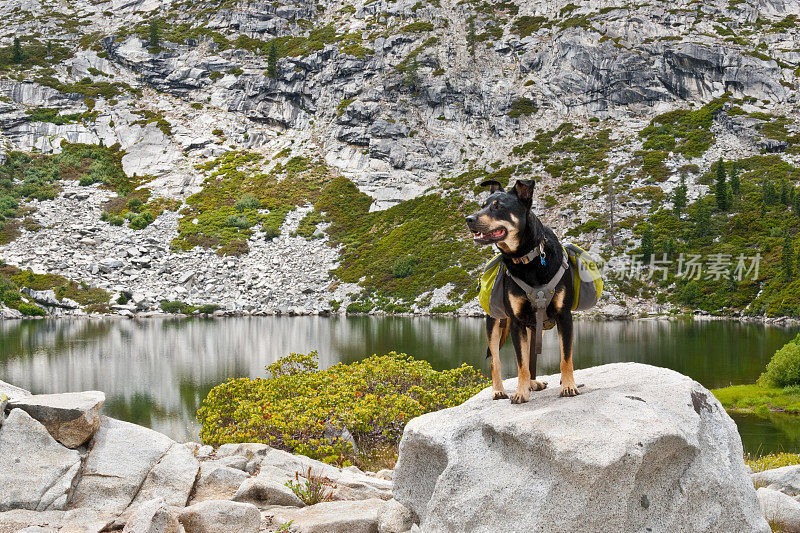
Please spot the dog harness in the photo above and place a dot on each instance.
(587, 284)
(540, 297)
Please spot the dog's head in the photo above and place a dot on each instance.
(503, 216)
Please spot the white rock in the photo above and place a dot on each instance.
(218, 484)
(780, 509)
(152, 516)
(785, 479)
(171, 479)
(72, 418)
(36, 472)
(641, 447)
(394, 517)
(264, 490)
(11, 392)
(220, 516)
(121, 457)
(332, 517)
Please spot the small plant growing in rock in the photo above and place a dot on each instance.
(247, 202)
(313, 489)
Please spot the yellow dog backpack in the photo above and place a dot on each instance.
(586, 281)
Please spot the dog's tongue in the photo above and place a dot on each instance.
(493, 234)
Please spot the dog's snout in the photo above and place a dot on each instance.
(471, 220)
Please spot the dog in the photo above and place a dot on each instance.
(506, 220)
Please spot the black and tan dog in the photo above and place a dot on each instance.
(506, 219)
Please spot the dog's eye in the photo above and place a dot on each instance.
(495, 205)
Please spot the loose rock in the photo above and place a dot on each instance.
(72, 418)
(220, 516)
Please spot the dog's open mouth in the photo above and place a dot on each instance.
(490, 237)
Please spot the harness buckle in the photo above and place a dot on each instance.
(540, 299)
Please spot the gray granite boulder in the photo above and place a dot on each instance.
(220, 516)
(332, 517)
(36, 472)
(122, 456)
(152, 516)
(72, 418)
(785, 479)
(641, 449)
(264, 490)
(782, 511)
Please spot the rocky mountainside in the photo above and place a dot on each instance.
(315, 157)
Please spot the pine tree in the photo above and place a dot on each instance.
(784, 192)
(471, 35)
(679, 198)
(796, 203)
(17, 55)
(787, 258)
(721, 190)
(154, 32)
(702, 219)
(647, 248)
(769, 194)
(735, 183)
(272, 60)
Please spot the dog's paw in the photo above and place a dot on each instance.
(499, 395)
(537, 385)
(569, 390)
(520, 397)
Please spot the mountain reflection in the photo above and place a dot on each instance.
(156, 371)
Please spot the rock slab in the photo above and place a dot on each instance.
(36, 472)
(220, 516)
(780, 509)
(72, 418)
(332, 517)
(641, 449)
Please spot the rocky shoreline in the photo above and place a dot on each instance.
(68, 468)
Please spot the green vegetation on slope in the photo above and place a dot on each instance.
(12, 279)
(300, 408)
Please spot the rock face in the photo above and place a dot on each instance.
(71, 418)
(36, 472)
(641, 449)
(780, 509)
(333, 517)
(121, 457)
(785, 479)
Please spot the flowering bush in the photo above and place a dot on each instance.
(304, 410)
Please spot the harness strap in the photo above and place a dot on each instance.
(540, 297)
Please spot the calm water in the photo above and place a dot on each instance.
(155, 372)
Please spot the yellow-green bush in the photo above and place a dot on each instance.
(302, 409)
(784, 367)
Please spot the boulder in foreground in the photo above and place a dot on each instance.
(641, 449)
(72, 418)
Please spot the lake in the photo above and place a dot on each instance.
(156, 371)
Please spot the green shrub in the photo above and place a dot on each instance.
(30, 309)
(207, 309)
(142, 220)
(784, 367)
(247, 202)
(404, 266)
(173, 307)
(373, 398)
(135, 205)
(237, 221)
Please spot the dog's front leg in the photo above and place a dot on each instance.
(564, 323)
(496, 330)
(521, 337)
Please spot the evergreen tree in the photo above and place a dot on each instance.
(410, 79)
(647, 248)
(796, 203)
(272, 60)
(17, 55)
(722, 186)
(784, 192)
(787, 258)
(154, 32)
(769, 194)
(471, 35)
(735, 183)
(679, 198)
(702, 219)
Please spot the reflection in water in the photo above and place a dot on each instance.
(156, 371)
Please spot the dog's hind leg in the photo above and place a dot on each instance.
(496, 333)
(564, 323)
(521, 337)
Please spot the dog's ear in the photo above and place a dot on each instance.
(493, 185)
(524, 190)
